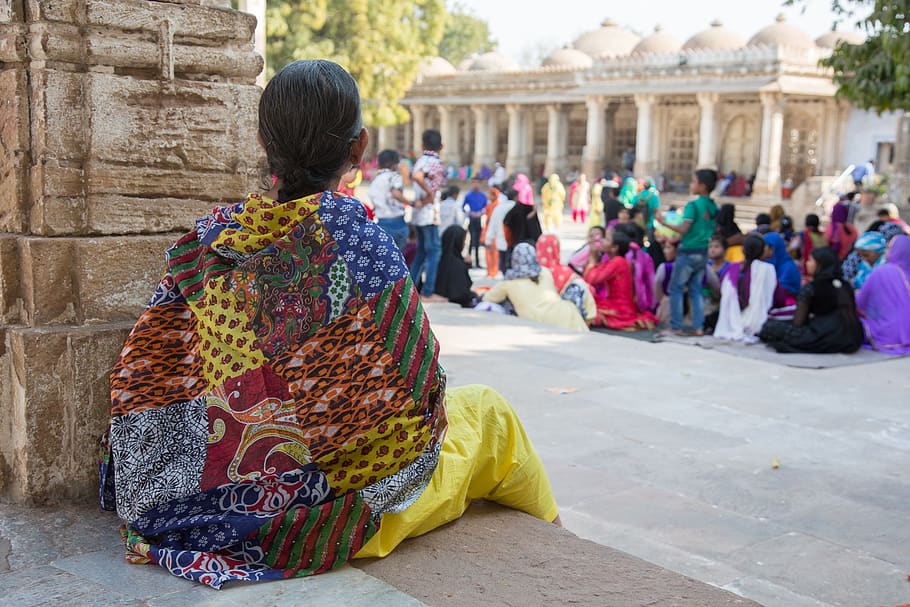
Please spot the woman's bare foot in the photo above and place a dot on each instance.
(433, 299)
(557, 521)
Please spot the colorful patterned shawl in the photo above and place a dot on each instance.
(280, 392)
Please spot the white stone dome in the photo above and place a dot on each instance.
(609, 41)
(658, 42)
(715, 37)
(492, 62)
(831, 39)
(781, 33)
(568, 57)
(435, 66)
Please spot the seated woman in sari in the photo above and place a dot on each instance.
(747, 293)
(533, 295)
(884, 301)
(825, 320)
(568, 284)
(840, 233)
(870, 248)
(617, 309)
(279, 407)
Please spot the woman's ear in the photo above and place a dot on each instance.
(359, 146)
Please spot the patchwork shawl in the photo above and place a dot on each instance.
(280, 392)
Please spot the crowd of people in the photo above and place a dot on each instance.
(687, 271)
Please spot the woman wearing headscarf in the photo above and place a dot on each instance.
(728, 229)
(531, 291)
(525, 190)
(628, 192)
(776, 254)
(840, 233)
(825, 321)
(580, 199)
(747, 293)
(870, 248)
(852, 265)
(569, 284)
(884, 301)
(452, 279)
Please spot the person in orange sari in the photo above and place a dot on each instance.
(616, 310)
(568, 283)
(491, 253)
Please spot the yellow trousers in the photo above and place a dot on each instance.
(486, 455)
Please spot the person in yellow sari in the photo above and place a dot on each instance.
(553, 196)
(279, 407)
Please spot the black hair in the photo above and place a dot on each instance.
(753, 247)
(812, 220)
(883, 212)
(707, 177)
(622, 242)
(432, 140)
(511, 194)
(451, 192)
(720, 240)
(762, 219)
(387, 159)
(603, 232)
(309, 116)
(786, 222)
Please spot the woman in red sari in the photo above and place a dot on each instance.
(617, 310)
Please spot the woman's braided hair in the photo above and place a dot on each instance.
(309, 116)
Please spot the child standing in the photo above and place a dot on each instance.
(388, 200)
(692, 256)
(429, 177)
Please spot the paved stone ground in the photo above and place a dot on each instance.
(663, 451)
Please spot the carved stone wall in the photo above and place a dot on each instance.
(121, 121)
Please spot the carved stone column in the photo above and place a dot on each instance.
(767, 179)
(518, 159)
(484, 137)
(707, 130)
(644, 163)
(595, 141)
(557, 139)
(448, 128)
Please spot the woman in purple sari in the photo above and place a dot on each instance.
(884, 301)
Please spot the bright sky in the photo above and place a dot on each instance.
(521, 27)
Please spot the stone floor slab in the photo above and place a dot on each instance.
(42, 586)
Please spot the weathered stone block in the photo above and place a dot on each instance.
(130, 215)
(14, 143)
(117, 276)
(63, 114)
(12, 42)
(47, 283)
(59, 406)
(10, 273)
(188, 20)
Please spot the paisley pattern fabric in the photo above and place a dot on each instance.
(281, 392)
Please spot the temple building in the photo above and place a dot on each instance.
(759, 106)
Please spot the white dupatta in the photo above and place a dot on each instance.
(734, 324)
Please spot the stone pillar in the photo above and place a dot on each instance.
(644, 163)
(595, 141)
(385, 138)
(484, 137)
(557, 139)
(707, 130)
(257, 9)
(767, 179)
(518, 159)
(448, 128)
(100, 170)
(418, 116)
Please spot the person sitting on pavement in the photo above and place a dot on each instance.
(825, 321)
(728, 229)
(569, 284)
(617, 309)
(747, 294)
(884, 301)
(453, 280)
(530, 290)
(870, 248)
(279, 407)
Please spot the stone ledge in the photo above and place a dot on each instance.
(497, 556)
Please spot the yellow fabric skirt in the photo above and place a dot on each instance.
(486, 455)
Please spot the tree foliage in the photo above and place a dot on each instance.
(874, 75)
(464, 35)
(380, 42)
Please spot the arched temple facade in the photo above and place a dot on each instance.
(759, 106)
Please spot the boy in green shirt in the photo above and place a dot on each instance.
(692, 256)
